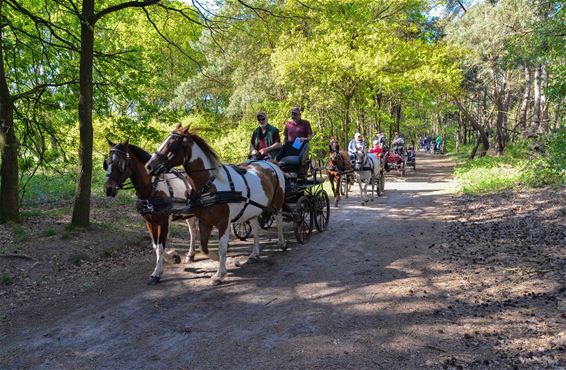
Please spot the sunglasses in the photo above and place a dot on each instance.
(261, 119)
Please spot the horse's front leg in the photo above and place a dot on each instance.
(158, 232)
(335, 184)
(192, 225)
(223, 237)
(254, 223)
(359, 178)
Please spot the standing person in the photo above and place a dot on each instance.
(438, 142)
(297, 127)
(265, 141)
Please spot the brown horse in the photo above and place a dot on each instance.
(227, 193)
(338, 163)
(127, 161)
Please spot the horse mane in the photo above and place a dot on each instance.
(139, 152)
(205, 148)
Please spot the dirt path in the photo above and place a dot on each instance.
(371, 292)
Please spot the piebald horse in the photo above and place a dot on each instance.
(126, 161)
(366, 169)
(261, 184)
(338, 163)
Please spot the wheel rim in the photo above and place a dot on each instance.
(303, 228)
(322, 210)
(242, 230)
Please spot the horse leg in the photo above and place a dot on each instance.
(335, 184)
(192, 225)
(279, 222)
(204, 232)
(224, 236)
(359, 178)
(254, 223)
(158, 232)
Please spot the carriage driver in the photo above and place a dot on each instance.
(297, 127)
(355, 144)
(265, 142)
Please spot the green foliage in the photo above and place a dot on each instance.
(524, 165)
(6, 279)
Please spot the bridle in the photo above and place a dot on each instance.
(178, 141)
(123, 162)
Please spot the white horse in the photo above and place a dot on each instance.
(261, 186)
(366, 171)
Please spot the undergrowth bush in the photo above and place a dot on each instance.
(525, 164)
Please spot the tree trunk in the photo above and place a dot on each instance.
(377, 100)
(9, 200)
(535, 123)
(475, 148)
(347, 103)
(81, 209)
(525, 102)
(543, 128)
(482, 134)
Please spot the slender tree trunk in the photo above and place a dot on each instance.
(347, 103)
(475, 148)
(475, 123)
(535, 123)
(525, 102)
(9, 200)
(543, 128)
(81, 209)
(377, 100)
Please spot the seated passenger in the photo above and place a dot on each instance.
(265, 141)
(355, 144)
(377, 150)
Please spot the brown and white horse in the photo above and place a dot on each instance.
(261, 184)
(338, 163)
(126, 161)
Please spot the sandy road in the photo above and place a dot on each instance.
(364, 294)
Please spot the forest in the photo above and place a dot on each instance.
(486, 75)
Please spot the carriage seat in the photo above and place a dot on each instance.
(291, 159)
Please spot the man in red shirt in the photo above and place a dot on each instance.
(297, 127)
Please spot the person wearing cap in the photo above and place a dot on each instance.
(265, 142)
(355, 144)
(297, 127)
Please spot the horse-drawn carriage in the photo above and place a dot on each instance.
(307, 203)
(217, 195)
(396, 159)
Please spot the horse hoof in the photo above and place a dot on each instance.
(153, 280)
(176, 259)
(216, 282)
(190, 259)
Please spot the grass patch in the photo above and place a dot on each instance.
(20, 235)
(6, 279)
(524, 165)
(49, 232)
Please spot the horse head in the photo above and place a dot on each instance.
(182, 147)
(360, 158)
(117, 167)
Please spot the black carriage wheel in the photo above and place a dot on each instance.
(322, 210)
(265, 221)
(304, 222)
(242, 230)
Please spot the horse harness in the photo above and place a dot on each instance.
(205, 198)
